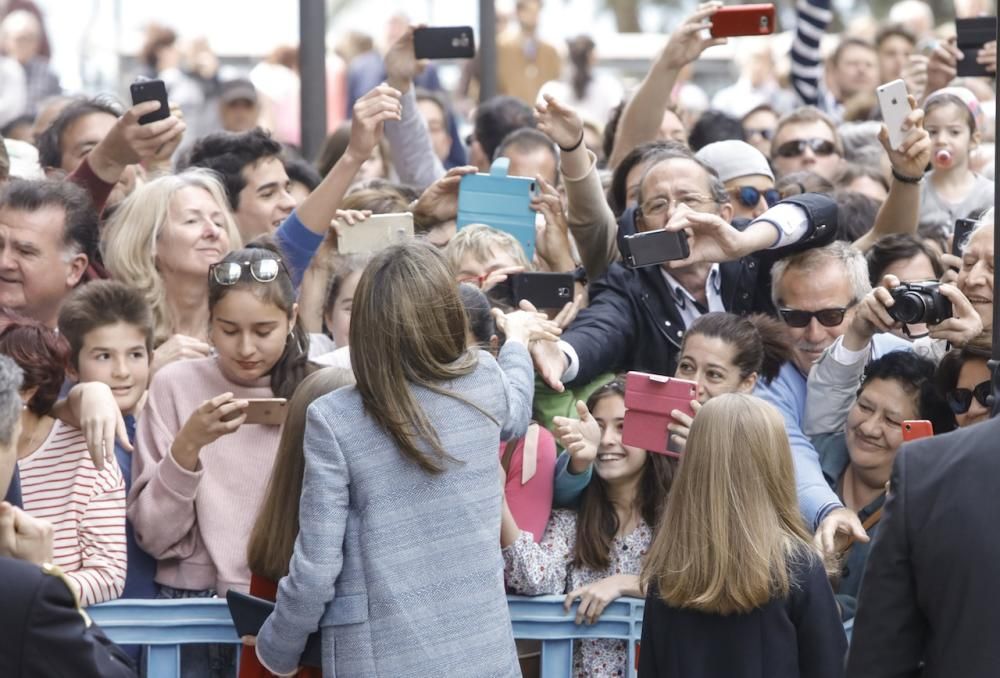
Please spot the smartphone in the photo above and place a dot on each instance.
(972, 35)
(737, 20)
(444, 42)
(654, 247)
(264, 411)
(649, 400)
(249, 613)
(150, 90)
(543, 290)
(375, 233)
(915, 429)
(892, 100)
(962, 229)
(500, 201)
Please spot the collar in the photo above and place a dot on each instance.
(682, 296)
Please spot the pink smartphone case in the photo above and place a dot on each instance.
(649, 399)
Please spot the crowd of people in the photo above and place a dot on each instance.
(442, 444)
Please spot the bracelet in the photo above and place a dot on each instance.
(905, 179)
(575, 146)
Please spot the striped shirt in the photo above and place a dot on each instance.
(812, 17)
(86, 508)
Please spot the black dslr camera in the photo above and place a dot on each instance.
(919, 303)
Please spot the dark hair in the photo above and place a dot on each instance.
(852, 171)
(41, 354)
(611, 129)
(948, 370)
(302, 172)
(759, 342)
(228, 154)
(333, 147)
(936, 101)
(50, 150)
(894, 30)
(23, 119)
(580, 50)
(856, 213)
(99, 304)
(677, 151)
(714, 126)
(802, 181)
(889, 249)
(618, 191)
(436, 99)
(477, 307)
(293, 365)
(597, 521)
(498, 117)
(915, 374)
(80, 230)
(528, 140)
(845, 43)
(936, 230)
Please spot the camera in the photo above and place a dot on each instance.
(919, 303)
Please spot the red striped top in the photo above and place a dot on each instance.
(86, 507)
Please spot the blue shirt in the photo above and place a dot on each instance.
(14, 490)
(139, 577)
(298, 244)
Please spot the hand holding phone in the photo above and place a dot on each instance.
(895, 105)
(650, 400)
(962, 229)
(444, 42)
(375, 233)
(150, 90)
(740, 20)
(654, 247)
(972, 36)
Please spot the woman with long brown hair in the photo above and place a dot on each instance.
(396, 561)
(594, 554)
(735, 586)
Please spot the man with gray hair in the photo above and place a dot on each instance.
(815, 293)
(45, 633)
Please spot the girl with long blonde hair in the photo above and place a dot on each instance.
(734, 584)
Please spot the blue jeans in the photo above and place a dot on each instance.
(203, 661)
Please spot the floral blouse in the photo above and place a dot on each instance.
(547, 568)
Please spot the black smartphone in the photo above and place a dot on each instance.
(972, 34)
(444, 42)
(543, 290)
(962, 229)
(150, 90)
(249, 613)
(654, 247)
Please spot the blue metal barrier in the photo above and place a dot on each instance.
(165, 625)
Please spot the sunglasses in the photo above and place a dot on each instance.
(230, 272)
(796, 147)
(960, 399)
(750, 196)
(827, 317)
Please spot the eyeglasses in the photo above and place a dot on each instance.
(827, 317)
(750, 196)
(960, 399)
(796, 147)
(655, 207)
(230, 272)
(765, 133)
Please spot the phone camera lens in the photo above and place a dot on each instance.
(893, 102)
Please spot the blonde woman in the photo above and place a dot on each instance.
(161, 241)
(735, 587)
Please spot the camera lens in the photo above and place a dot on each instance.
(909, 308)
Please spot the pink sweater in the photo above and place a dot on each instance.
(197, 524)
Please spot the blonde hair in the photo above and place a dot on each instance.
(129, 240)
(732, 525)
(479, 240)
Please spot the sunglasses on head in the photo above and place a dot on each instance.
(827, 317)
(796, 147)
(750, 196)
(960, 399)
(230, 272)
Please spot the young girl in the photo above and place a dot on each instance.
(594, 554)
(196, 462)
(952, 190)
(735, 587)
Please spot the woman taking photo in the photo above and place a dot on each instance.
(396, 560)
(746, 594)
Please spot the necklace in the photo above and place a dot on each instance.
(38, 433)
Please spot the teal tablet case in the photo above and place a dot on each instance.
(500, 201)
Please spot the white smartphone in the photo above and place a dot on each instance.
(375, 233)
(892, 99)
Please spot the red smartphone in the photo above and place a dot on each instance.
(915, 429)
(737, 20)
(649, 400)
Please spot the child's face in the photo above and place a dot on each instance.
(949, 130)
(338, 321)
(116, 355)
(249, 334)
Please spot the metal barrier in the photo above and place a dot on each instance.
(165, 625)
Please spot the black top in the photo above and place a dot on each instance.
(801, 636)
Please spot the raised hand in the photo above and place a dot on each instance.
(128, 142)
(580, 437)
(687, 43)
(552, 241)
(710, 237)
(370, 114)
(561, 123)
(526, 325)
(914, 154)
(401, 64)
(965, 323)
(439, 201)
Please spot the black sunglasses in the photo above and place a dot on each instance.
(796, 147)
(960, 399)
(262, 270)
(827, 317)
(750, 196)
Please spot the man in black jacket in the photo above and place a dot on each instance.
(637, 317)
(44, 631)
